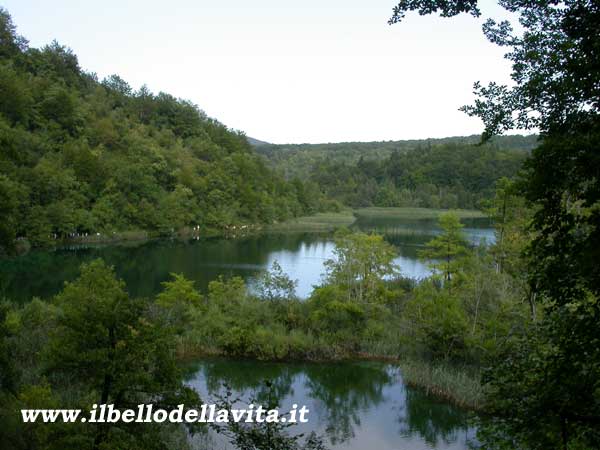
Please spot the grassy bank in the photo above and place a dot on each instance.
(414, 213)
(320, 222)
(457, 385)
(333, 220)
(122, 238)
(101, 238)
(317, 222)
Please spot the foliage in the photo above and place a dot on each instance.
(95, 345)
(275, 284)
(512, 218)
(426, 321)
(545, 389)
(266, 435)
(448, 173)
(448, 251)
(81, 157)
(178, 300)
(360, 264)
(441, 322)
(7, 369)
(467, 310)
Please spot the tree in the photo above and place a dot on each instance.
(439, 322)
(512, 219)
(276, 285)
(83, 156)
(448, 250)
(106, 344)
(7, 369)
(360, 264)
(555, 371)
(16, 96)
(11, 44)
(335, 319)
(178, 300)
(265, 435)
(11, 194)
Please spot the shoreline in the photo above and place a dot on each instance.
(456, 385)
(315, 223)
(451, 384)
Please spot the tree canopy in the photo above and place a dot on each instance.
(80, 156)
(545, 392)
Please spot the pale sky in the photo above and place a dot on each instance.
(285, 71)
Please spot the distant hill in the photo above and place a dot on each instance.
(256, 142)
(448, 173)
(377, 149)
(298, 159)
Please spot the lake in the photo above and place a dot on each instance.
(356, 406)
(352, 405)
(144, 266)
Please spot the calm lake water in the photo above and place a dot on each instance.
(144, 266)
(354, 406)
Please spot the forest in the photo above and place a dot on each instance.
(434, 173)
(80, 156)
(83, 157)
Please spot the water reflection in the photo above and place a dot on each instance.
(436, 422)
(354, 405)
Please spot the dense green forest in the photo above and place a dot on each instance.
(446, 173)
(300, 157)
(81, 156)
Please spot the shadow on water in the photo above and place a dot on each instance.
(354, 405)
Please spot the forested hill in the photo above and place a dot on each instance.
(448, 173)
(79, 155)
(299, 158)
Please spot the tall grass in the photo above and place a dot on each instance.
(458, 385)
(414, 213)
(317, 222)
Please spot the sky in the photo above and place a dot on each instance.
(285, 71)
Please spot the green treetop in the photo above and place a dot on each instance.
(360, 264)
(447, 252)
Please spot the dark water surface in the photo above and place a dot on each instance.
(144, 266)
(353, 405)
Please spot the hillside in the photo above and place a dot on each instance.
(449, 173)
(297, 159)
(81, 156)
